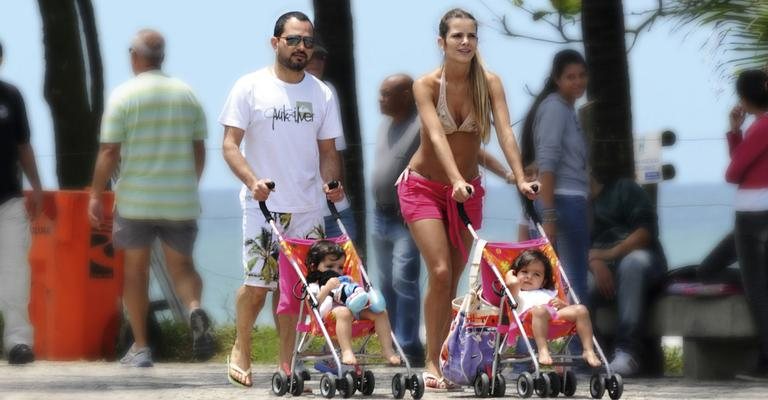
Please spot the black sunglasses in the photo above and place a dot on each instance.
(294, 40)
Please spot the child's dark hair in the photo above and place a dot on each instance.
(529, 256)
(321, 249)
(751, 86)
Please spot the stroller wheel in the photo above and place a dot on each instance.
(297, 385)
(500, 386)
(615, 386)
(367, 383)
(398, 386)
(525, 384)
(554, 382)
(543, 385)
(346, 385)
(568, 383)
(279, 383)
(482, 385)
(305, 375)
(416, 386)
(351, 382)
(596, 386)
(328, 385)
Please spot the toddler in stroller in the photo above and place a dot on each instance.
(341, 296)
(531, 282)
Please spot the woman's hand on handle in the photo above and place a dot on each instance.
(260, 189)
(462, 191)
(529, 189)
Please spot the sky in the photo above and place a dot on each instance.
(210, 44)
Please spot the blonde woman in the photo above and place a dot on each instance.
(455, 103)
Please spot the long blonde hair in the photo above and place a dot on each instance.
(481, 97)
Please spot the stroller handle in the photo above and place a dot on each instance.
(530, 209)
(263, 204)
(462, 212)
(331, 206)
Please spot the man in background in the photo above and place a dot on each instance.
(16, 156)
(626, 261)
(155, 128)
(397, 256)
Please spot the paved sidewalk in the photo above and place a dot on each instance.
(98, 380)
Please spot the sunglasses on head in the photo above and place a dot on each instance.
(294, 40)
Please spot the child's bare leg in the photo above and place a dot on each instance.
(344, 334)
(384, 331)
(540, 322)
(580, 315)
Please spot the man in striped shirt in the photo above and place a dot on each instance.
(154, 128)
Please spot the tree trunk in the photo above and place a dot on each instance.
(611, 114)
(75, 110)
(333, 18)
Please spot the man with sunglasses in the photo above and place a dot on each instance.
(286, 121)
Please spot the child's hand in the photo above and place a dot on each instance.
(557, 303)
(333, 283)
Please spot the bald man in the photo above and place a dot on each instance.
(155, 128)
(397, 257)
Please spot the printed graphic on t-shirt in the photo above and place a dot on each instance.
(303, 112)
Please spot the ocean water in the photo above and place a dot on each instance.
(693, 218)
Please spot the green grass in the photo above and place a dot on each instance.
(673, 361)
(177, 345)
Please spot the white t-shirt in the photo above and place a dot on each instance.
(282, 123)
(532, 298)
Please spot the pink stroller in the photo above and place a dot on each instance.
(488, 314)
(312, 324)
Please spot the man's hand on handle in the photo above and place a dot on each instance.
(334, 191)
(260, 189)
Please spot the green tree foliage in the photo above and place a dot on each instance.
(741, 27)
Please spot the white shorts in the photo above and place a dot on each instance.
(261, 247)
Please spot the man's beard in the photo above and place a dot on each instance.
(293, 66)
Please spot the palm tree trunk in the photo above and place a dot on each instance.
(334, 19)
(611, 113)
(75, 110)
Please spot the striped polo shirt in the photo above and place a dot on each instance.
(156, 119)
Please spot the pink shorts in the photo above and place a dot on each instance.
(421, 198)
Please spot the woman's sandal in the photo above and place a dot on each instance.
(235, 379)
(432, 382)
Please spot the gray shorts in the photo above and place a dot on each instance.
(140, 233)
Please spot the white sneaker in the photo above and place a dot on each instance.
(624, 364)
(137, 357)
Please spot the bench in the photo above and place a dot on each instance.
(719, 336)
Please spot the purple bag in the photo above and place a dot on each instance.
(468, 349)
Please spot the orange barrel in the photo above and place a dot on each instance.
(77, 281)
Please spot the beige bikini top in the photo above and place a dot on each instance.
(445, 117)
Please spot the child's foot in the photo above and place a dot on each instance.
(545, 358)
(591, 358)
(348, 357)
